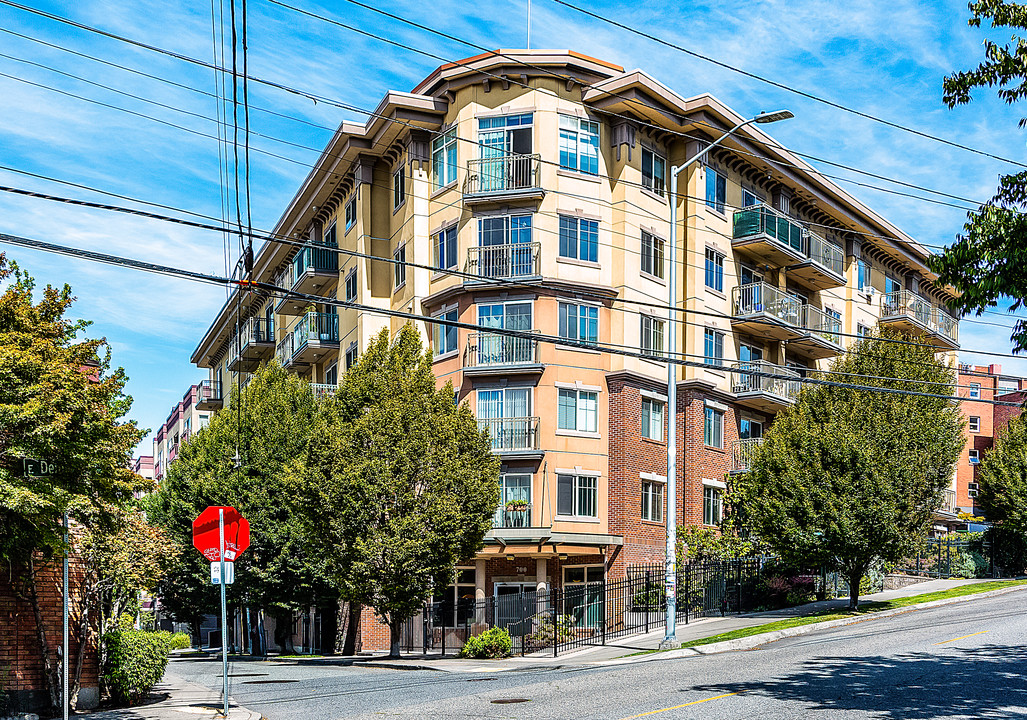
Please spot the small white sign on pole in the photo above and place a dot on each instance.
(215, 573)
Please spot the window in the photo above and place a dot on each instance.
(351, 355)
(504, 230)
(579, 322)
(654, 171)
(749, 429)
(399, 187)
(975, 423)
(712, 506)
(652, 335)
(652, 419)
(862, 330)
(351, 212)
(652, 254)
(444, 245)
(444, 336)
(400, 266)
(351, 285)
(891, 285)
(975, 390)
(458, 600)
(975, 457)
(579, 238)
(863, 280)
(749, 198)
(652, 500)
(579, 144)
(578, 410)
(713, 428)
(443, 159)
(714, 348)
(329, 237)
(716, 190)
(332, 375)
(577, 495)
(714, 270)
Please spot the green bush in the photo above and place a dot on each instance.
(545, 634)
(493, 643)
(134, 661)
(180, 641)
(873, 581)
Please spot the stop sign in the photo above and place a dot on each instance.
(207, 537)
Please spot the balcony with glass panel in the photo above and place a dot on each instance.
(763, 310)
(284, 351)
(209, 395)
(314, 336)
(256, 343)
(503, 178)
(822, 338)
(780, 241)
(909, 313)
(742, 453)
(824, 265)
(288, 305)
(495, 354)
(763, 386)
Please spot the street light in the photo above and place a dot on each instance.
(672, 389)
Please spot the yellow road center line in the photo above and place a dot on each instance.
(694, 702)
(980, 632)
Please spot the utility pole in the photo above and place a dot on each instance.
(224, 611)
(64, 657)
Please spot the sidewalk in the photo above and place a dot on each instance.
(185, 700)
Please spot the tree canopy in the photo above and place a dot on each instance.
(847, 477)
(989, 260)
(397, 483)
(1003, 479)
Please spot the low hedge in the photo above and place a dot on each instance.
(493, 643)
(134, 661)
(181, 641)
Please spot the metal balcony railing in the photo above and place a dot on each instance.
(502, 174)
(322, 390)
(904, 303)
(504, 261)
(742, 453)
(763, 299)
(760, 376)
(488, 349)
(948, 501)
(946, 325)
(286, 278)
(323, 257)
(209, 391)
(513, 433)
(764, 220)
(825, 253)
(512, 517)
(285, 350)
(822, 324)
(258, 330)
(317, 327)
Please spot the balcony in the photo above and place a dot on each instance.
(288, 305)
(519, 260)
(503, 179)
(314, 336)
(209, 396)
(742, 453)
(284, 351)
(763, 310)
(512, 517)
(764, 386)
(513, 436)
(781, 241)
(822, 336)
(492, 354)
(323, 390)
(911, 314)
(315, 266)
(948, 502)
(258, 343)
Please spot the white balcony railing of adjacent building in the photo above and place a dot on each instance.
(742, 453)
(322, 390)
(505, 261)
(502, 174)
(905, 304)
(490, 349)
(511, 434)
(284, 351)
(948, 501)
(762, 377)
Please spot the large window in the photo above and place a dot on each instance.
(714, 270)
(713, 428)
(444, 245)
(654, 171)
(443, 158)
(399, 187)
(400, 267)
(716, 190)
(652, 419)
(444, 336)
(652, 335)
(712, 506)
(863, 279)
(577, 496)
(504, 230)
(714, 347)
(578, 410)
(579, 144)
(579, 322)
(652, 254)
(652, 500)
(579, 238)
(891, 285)
(351, 355)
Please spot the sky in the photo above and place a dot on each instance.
(70, 117)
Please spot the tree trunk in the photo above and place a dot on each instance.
(854, 579)
(51, 670)
(395, 633)
(283, 633)
(349, 647)
(329, 629)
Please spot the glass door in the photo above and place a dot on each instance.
(514, 509)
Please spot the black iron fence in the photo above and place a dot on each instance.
(945, 557)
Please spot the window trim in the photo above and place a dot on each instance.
(662, 246)
(719, 179)
(974, 456)
(446, 139)
(578, 132)
(399, 268)
(578, 238)
(975, 391)
(576, 477)
(653, 484)
(439, 314)
(578, 410)
(651, 187)
(714, 361)
(577, 315)
(718, 493)
(351, 274)
(350, 219)
(718, 269)
(651, 402)
(399, 189)
(708, 412)
(441, 235)
(971, 424)
(645, 339)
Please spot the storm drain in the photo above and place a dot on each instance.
(510, 701)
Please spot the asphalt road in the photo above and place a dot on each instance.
(965, 660)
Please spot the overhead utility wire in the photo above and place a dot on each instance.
(538, 337)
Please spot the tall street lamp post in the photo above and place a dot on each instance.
(672, 390)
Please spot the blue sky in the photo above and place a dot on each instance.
(884, 58)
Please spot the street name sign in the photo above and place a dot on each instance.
(206, 534)
(38, 468)
(215, 573)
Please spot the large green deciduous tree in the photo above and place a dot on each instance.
(1003, 494)
(239, 460)
(398, 484)
(61, 402)
(989, 260)
(847, 477)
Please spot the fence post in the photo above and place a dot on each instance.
(553, 603)
(524, 620)
(688, 595)
(648, 599)
(442, 611)
(603, 609)
(425, 619)
(948, 557)
(739, 589)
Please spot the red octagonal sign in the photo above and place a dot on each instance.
(207, 537)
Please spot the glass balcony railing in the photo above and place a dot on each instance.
(505, 261)
(763, 299)
(762, 377)
(822, 324)
(316, 327)
(764, 221)
(907, 305)
(513, 433)
(284, 351)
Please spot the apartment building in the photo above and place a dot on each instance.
(187, 417)
(534, 185)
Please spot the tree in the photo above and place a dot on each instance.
(1003, 494)
(398, 484)
(266, 426)
(989, 261)
(61, 402)
(847, 477)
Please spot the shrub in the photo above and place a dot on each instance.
(493, 643)
(872, 581)
(134, 662)
(544, 632)
(180, 641)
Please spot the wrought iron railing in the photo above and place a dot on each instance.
(488, 349)
(502, 174)
(760, 376)
(504, 261)
(743, 451)
(513, 433)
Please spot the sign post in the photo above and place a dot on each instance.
(221, 534)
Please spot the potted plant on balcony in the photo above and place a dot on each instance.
(516, 505)
(516, 513)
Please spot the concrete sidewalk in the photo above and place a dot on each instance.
(184, 700)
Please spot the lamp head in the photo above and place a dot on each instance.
(769, 117)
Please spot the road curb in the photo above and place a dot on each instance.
(754, 641)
